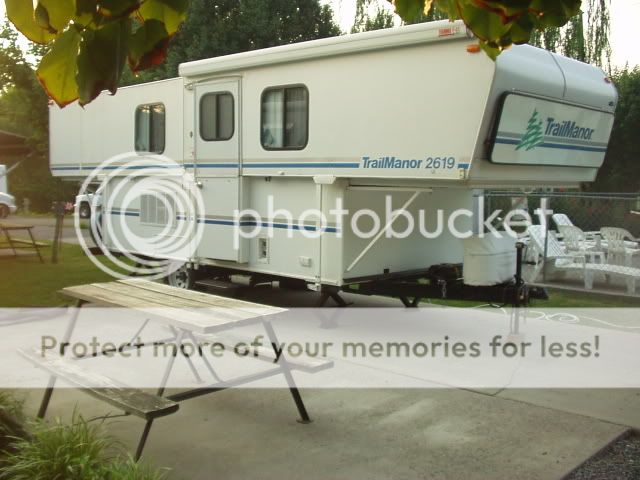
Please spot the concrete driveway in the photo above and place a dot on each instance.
(372, 433)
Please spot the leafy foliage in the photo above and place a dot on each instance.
(364, 22)
(382, 18)
(590, 44)
(91, 40)
(70, 452)
(497, 23)
(224, 27)
(12, 405)
(24, 111)
(621, 170)
(79, 451)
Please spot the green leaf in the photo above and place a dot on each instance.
(485, 24)
(85, 11)
(170, 12)
(22, 15)
(118, 8)
(41, 17)
(491, 50)
(498, 23)
(57, 69)
(148, 45)
(521, 29)
(58, 12)
(409, 10)
(102, 57)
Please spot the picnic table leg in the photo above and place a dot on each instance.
(10, 240)
(193, 368)
(163, 384)
(286, 371)
(35, 245)
(65, 341)
(205, 360)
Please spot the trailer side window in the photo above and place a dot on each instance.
(216, 116)
(150, 128)
(285, 118)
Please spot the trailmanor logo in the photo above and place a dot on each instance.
(533, 136)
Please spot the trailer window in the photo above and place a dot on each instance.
(150, 128)
(216, 116)
(285, 118)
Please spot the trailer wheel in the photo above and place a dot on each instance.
(184, 277)
(85, 210)
(4, 211)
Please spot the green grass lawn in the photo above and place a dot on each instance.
(25, 282)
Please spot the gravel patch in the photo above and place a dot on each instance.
(619, 461)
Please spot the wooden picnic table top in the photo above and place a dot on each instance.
(185, 309)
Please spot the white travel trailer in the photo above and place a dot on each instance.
(414, 113)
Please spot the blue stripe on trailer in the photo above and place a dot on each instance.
(302, 165)
(560, 146)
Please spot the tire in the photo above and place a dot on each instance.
(85, 210)
(184, 277)
(4, 211)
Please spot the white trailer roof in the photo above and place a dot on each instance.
(329, 47)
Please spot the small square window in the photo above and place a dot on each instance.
(150, 128)
(285, 118)
(216, 116)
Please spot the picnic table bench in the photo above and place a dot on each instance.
(201, 316)
(15, 243)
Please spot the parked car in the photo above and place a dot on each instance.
(7, 205)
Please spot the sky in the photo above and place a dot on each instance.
(625, 22)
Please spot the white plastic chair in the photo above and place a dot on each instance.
(575, 240)
(619, 250)
(562, 219)
(562, 259)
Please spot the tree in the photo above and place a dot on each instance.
(364, 22)
(497, 23)
(621, 170)
(24, 110)
(232, 26)
(590, 45)
(91, 40)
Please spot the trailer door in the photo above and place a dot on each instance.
(217, 165)
(217, 132)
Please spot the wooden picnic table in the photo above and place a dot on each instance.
(190, 315)
(14, 243)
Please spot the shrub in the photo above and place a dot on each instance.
(11, 422)
(79, 451)
(11, 405)
(130, 470)
(58, 452)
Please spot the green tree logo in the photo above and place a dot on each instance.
(533, 136)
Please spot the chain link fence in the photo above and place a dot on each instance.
(574, 239)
